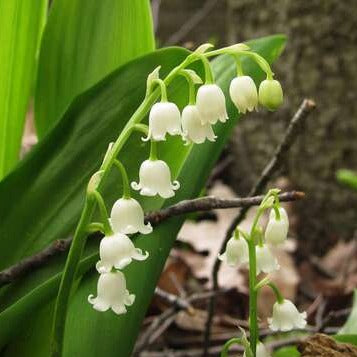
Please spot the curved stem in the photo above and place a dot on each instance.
(279, 296)
(261, 61)
(124, 177)
(228, 344)
(209, 78)
(103, 212)
(191, 88)
(95, 227)
(163, 90)
(142, 128)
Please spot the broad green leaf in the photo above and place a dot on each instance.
(84, 40)
(347, 338)
(290, 351)
(350, 327)
(62, 164)
(348, 178)
(21, 24)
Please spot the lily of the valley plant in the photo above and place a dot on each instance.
(252, 249)
(206, 106)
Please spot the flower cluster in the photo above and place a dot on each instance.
(205, 108)
(253, 250)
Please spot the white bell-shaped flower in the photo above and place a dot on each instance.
(211, 104)
(155, 179)
(244, 94)
(261, 351)
(266, 262)
(127, 217)
(286, 317)
(192, 128)
(117, 251)
(236, 253)
(277, 230)
(112, 293)
(164, 118)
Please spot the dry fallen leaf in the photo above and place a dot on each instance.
(320, 345)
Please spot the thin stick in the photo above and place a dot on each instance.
(278, 158)
(40, 259)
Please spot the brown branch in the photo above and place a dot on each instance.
(33, 262)
(37, 260)
(274, 164)
(210, 202)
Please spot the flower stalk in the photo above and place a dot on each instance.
(94, 198)
(285, 314)
(253, 296)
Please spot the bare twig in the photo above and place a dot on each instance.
(146, 338)
(173, 299)
(210, 202)
(160, 323)
(200, 204)
(191, 23)
(279, 156)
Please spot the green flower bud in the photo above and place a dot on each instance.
(270, 94)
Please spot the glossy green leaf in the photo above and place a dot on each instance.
(21, 24)
(84, 40)
(290, 351)
(347, 338)
(60, 167)
(350, 327)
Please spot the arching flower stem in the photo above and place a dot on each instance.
(162, 86)
(209, 77)
(103, 212)
(279, 296)
(261, 61)
(142, 128)
(95, 227)
(191, 88)
(124, 177)
(239, 65)
(228, 344)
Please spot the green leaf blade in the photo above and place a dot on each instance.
(84, 41)
(21, 24)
